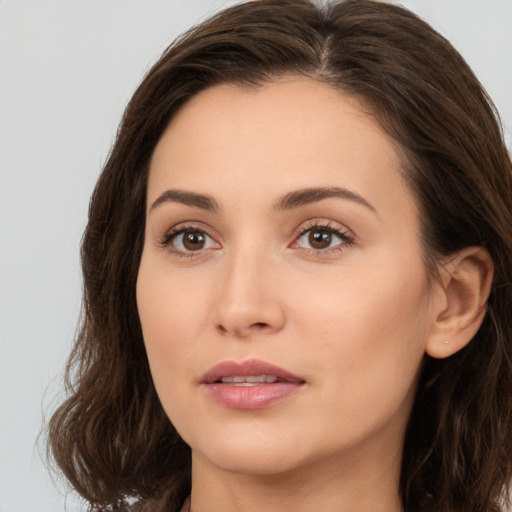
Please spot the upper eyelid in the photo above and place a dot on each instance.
(327, 224)
(191, 226)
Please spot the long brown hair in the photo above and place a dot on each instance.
(111, 437)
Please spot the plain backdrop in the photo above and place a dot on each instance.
(67, 69)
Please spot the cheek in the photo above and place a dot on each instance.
(370, 324)
(171, 310)
(362, 299)
(366, 356)
(168, 300)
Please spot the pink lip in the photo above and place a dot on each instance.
(257, 396)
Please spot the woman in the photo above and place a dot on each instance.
(297, 276)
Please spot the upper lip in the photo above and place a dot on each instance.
(251, 367)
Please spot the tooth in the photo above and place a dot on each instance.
(255, 378)
(248, 380)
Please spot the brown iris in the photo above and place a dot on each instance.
(193, 240)
(320, 239)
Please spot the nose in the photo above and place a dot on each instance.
(248, 301)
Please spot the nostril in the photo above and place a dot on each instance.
(259, 325)
(243, 331)
(222, 329)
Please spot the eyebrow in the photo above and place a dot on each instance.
(188, 198)
(289, 201)
(306, 196)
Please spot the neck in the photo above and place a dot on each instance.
(364, 484)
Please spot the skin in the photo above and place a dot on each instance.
(353, 320)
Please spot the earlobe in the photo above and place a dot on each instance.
(461, 302)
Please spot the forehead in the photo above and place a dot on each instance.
(292, 133)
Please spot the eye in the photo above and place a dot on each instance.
(188, 240)
(322, 238)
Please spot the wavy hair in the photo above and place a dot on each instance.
(111, 437)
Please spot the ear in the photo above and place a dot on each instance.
(460, 305)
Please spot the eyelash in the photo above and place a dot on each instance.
(346, 239)
(168, 237)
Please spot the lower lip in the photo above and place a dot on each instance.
(251, 397)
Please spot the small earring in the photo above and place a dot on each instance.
(446, 342)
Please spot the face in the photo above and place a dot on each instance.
(284, 303)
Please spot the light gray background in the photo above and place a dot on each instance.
(67, 68)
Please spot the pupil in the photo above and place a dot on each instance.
(194, 241)
(320, 239)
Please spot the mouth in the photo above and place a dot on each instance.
(250, 372)
(251, 384)
(249, 380)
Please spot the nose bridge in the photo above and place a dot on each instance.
(248, 299)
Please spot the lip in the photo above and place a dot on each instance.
(251, 367)
(257, 396)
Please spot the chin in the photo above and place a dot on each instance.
(251, 453)
(251, 461)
